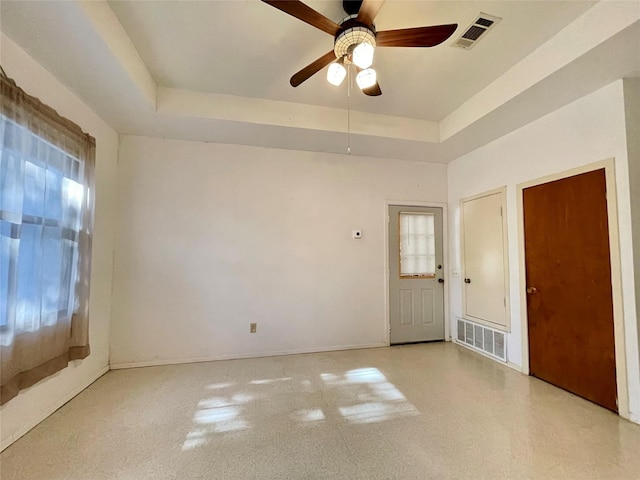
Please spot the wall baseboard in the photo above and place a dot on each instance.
(213, 358)
(49, 410)
(485, 355)
(516, 367)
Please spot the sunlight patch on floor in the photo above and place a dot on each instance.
(308, 415)
(360, 396)
(219, 386)
(270, 380)
(378, 399)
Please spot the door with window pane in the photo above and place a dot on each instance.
(416, 278)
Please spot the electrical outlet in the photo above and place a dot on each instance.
(253, 327)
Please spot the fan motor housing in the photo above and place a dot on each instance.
(352, 34)
(351, 6)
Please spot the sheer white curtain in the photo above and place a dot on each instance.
(46, 182)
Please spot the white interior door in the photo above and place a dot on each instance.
(416, 279)
(484, 259)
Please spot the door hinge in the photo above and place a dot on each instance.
(500, 211)
(504, 300)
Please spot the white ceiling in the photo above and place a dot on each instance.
(219, 70)
(251, 49)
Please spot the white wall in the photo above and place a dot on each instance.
(212, 237)
(589, 130)
(34, 404)
(632, 118)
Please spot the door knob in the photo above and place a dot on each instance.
(441, 280)
(467, 280)
(532, 290)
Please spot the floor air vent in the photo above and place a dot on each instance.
(481, 338)
(476, 31)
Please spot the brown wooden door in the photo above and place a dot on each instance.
(568, 275)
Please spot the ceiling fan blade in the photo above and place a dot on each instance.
(368, 11)
(299, 10)
(373, 91)
(312, 68)
(415, 37)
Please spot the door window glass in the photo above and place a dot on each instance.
(417, 245)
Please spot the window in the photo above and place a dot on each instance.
(417, 245)
(46, 168)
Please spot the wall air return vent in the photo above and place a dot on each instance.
(481, 338)
(476, 31)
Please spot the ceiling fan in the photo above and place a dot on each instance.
(355, 40)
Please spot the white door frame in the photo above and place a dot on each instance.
(445, 261)
(616, 273)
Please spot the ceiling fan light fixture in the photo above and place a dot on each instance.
(366, 78)
(336, 73)
(351, 37)
(363, 55)
(352, 32)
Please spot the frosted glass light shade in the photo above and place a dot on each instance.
(336, 74)
(363, 55)
(366, 78)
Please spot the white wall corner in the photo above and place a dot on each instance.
(631, 91)
(113, 34)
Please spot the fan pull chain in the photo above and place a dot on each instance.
(348, 109)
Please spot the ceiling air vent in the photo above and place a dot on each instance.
(476, 31)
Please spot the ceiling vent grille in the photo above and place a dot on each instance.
(476, 31)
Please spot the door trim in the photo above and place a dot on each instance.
(445, 260)
(616, 272)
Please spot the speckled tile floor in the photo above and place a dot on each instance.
(411, 412)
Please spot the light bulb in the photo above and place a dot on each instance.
(363, 55)
(366, 78)
(336, 73)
